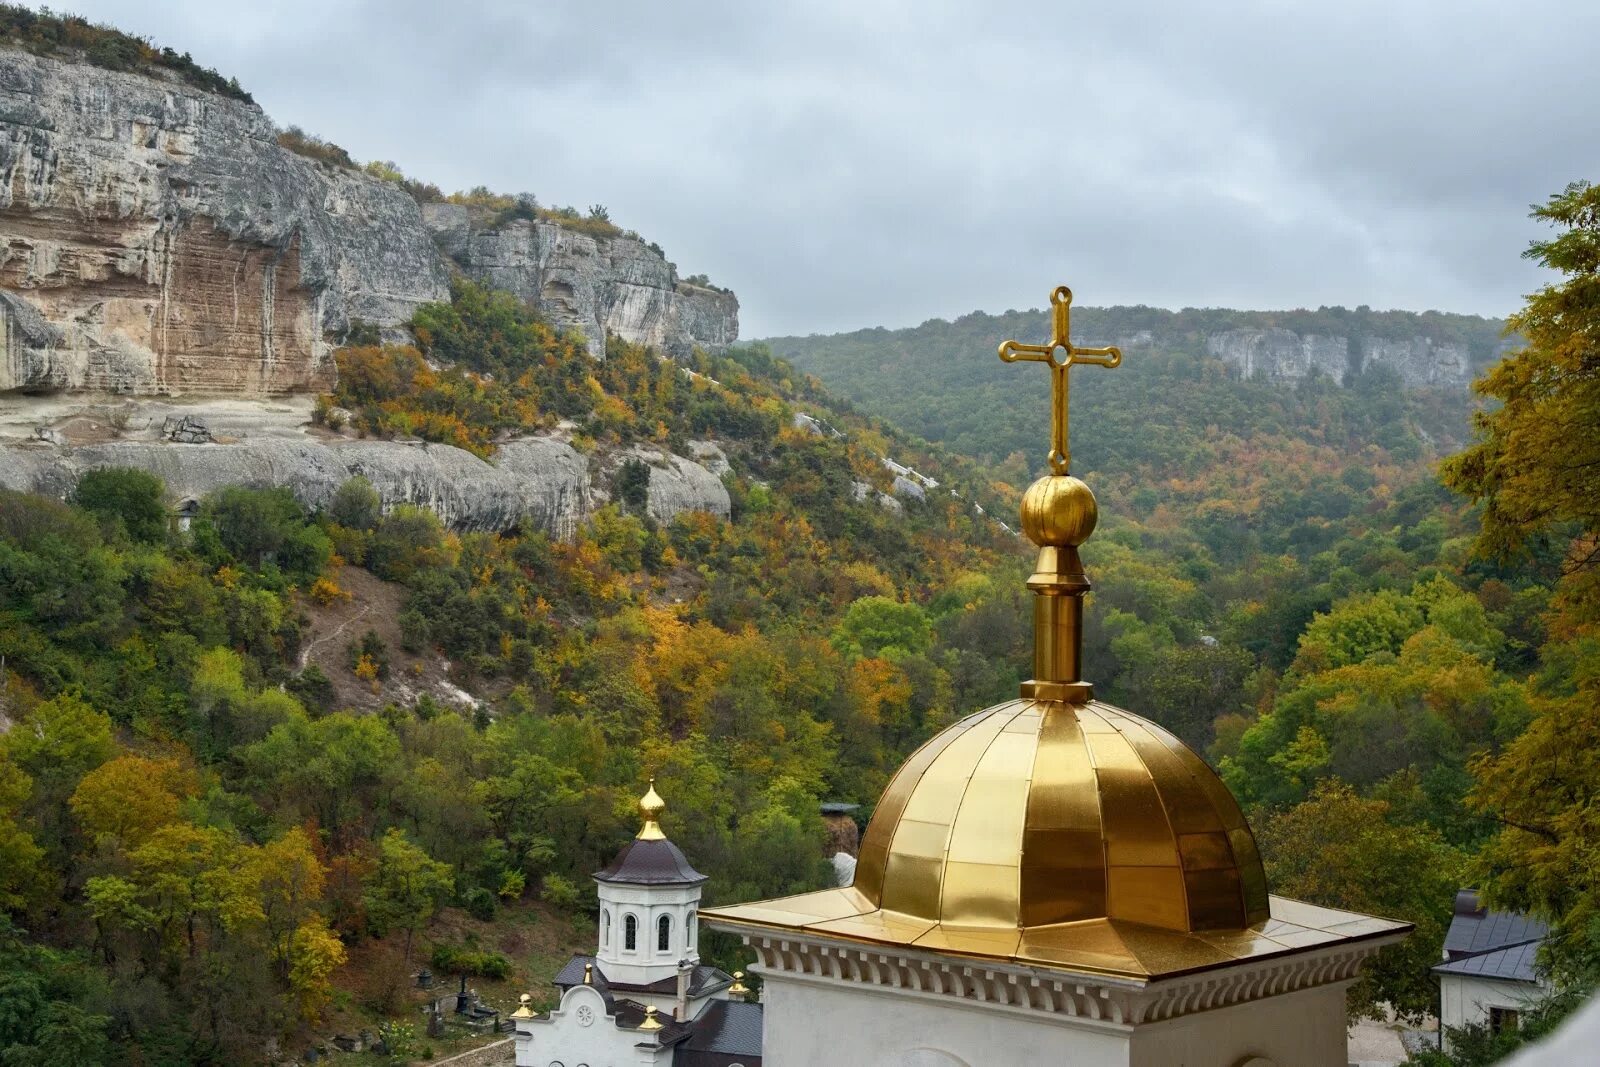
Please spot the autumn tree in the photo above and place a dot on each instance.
(1537, 457)
(1342, 851)
(407, 889)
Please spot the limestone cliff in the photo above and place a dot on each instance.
(598, 285)
(1283, 355)
(539, 479)
(156, 239)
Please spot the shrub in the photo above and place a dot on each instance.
(480, 904)
(559, 892)
(463, 960)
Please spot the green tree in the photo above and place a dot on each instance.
(122, 495)
(875, 625)
(407, 889)
(1342, 851)
(356, 505)
(1537, 456)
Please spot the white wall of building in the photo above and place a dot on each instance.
(572, 1035)
(1465, 1000)
(646, 962)
(812, 1022)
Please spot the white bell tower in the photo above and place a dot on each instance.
(649, 906)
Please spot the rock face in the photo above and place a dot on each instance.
(1283, 355)
(596, 285)
(539, 479)
(156, 239)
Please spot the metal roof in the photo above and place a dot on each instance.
(726, 1029)
(651, 861)
(1491, 944)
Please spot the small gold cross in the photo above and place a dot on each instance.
(1071, 356)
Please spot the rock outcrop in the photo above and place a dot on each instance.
(156, 239)
(597, 285)
(538, 479)
(1283, 355)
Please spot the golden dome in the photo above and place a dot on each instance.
(1034, 813)
(650, 808)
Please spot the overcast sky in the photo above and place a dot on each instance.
(867, 163)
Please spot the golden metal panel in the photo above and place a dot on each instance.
(1189, 809)
(1135, 821)
(911, 884)
(1150, 895)
(887, 926)
(1163, 952)
(878, 839)
(1205, 852)
(983, 941)
(1064, 794)
(1093, 945)
(928, 840)
(1062, 894)
(1215, 899)
(1252, 878)
(988, 828)
(980, 894)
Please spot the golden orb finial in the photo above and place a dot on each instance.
(650, 1020)
(650, 808)
(525, 1009)
(588, 974)
(1059, 511)
(738, 988)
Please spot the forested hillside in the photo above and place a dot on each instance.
(205, 849)
(942, 381)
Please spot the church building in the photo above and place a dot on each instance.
(1054, 880)
(644, 997)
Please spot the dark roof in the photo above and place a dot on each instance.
(655, 861)
(837, 807)
(1491, 944)
(704, 980)
(728, 1031)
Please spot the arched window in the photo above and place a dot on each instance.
(630, 932)
(664, 934)
(605, 928)
(689, 932)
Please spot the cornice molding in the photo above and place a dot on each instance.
(1062, 996)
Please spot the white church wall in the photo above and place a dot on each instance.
(646, 962)
(1303, 1029)
(816, 1023)
(580, 1032)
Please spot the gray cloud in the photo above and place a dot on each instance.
(843, 164)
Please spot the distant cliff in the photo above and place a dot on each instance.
(156, 239)
(598, 285)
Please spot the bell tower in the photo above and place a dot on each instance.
(649, 906)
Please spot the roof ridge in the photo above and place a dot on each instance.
(1496, 948)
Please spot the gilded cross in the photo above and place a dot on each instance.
(1060, 355)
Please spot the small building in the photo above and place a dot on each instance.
(644, 997)
(1488, 977)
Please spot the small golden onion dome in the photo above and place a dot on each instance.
(1034, 813)
(738, 988)
(525, 1007)
(650, 1020)
(650, 808)
(1059, 511)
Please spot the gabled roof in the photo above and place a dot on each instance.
(650, 861)
(1491, 944)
